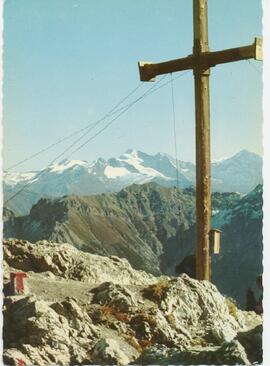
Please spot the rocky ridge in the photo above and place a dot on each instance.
(153, 227)
(86, 309)
(135, 223)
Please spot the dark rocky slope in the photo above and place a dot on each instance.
(235, 269)
(153, 227)
(135, 223)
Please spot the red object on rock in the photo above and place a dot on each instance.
(20, 362)
(17, 280)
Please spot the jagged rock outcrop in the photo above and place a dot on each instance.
(9, 222)
(67, 262)
(86, 309)
(228, 354)
(59, 333)
(117, 295)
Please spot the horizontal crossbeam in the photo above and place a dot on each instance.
(148, 70)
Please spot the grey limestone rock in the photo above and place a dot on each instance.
(108, 352)
(115, 295)
(100, 310)
(232, 353)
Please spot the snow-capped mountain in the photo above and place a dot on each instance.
(241, 173)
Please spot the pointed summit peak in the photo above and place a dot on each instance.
(131, 152)
(63, 162)
(246, 155)
(66, 164)
(69, 162)
(245, 152)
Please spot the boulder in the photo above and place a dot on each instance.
(232, 353)
(115, 295)
(11, 356)
(49, 334)
(108, 352)
(195, 307)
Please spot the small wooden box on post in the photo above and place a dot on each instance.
(214, 241)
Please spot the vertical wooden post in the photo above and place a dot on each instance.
(203, 175)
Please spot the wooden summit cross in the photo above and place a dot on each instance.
(201, 61)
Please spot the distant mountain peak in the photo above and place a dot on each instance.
(241, 155)
(66, 164)
(131, 152)
(246, 153)
(72, 162)
(239, 173)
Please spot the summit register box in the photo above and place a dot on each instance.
(214, 241)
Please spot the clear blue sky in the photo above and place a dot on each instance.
(67, 62)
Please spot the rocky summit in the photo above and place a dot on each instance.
(80, 309)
